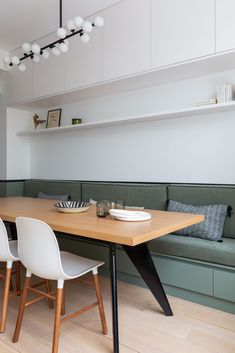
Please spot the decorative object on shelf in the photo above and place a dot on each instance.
(208, 102)
(76, 121)
(53, 118)
(76, 26)
(37, 121)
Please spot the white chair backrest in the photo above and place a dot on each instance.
(5, 253)
(38, 248)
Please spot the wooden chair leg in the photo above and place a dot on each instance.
(48, 288)
(21, 309)
(17, 279)
(5, 300)
(63, 303)
(100, 304)
(59, 299)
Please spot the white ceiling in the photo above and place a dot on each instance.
(26, 20)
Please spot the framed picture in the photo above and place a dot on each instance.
(53, 118)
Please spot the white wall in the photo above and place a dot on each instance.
(2, 126)
(190, 149)
(17, 148)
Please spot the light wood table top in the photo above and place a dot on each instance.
(88, 225)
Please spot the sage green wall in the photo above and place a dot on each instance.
(11, 188)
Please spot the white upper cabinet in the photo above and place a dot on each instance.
(225, 25)
(83, 62)
(20, 84)
(126, 38)
(49, 74)
(182, 30)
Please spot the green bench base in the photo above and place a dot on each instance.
(200, 282)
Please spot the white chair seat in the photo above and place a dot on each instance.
(75, 266)
(13, 245)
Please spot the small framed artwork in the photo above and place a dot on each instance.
(53, 118)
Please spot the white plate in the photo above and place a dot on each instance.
(72, 209)
(130, 216)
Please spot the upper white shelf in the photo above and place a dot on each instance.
(184, 70)
(208, 109)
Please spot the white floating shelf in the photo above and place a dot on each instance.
(180, 113)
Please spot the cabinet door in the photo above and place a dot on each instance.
(225, 25)
(181, 30)
(83, 62)
(49, 74)
(126, 38)
(20, 83)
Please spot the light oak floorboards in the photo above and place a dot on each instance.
(143, 327)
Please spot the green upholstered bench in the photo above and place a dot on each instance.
(195, 269)
(199, 249)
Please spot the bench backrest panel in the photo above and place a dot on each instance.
(51, 187)
(148, 195)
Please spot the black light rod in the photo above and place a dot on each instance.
(51, 45)
(61, 13)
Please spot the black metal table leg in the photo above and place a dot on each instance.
(113, 272)
(141, 258)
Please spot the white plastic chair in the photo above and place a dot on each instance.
(39, 253)
(9, 255)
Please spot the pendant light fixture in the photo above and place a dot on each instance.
(76, 26)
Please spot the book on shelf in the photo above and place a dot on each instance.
(224, 92)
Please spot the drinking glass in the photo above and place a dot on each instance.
(101, 208)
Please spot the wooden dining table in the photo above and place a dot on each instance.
(132, 236)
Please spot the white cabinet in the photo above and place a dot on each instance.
(83, 62)
(49, 74)
(20, 83)
(126, 38)
(225, 25)
(182, 30)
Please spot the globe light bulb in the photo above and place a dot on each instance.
(85, 38)
(36, 58)
(61, 33)
(15, 60)
(99, 22)
(63, 47)
(87, 27)
(26, 47)
(78, 21)
(45, 54)
(7, 60)
(56, 51)
(8, 67)
(21, 67)
(71, 25)
(36, 49)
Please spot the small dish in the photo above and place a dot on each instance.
(72, 206)
(130, 216)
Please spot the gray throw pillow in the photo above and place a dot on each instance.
(41, 195)
(211, 228)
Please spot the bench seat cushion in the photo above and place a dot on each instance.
(196, 249)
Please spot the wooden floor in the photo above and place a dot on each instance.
(143, 327)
